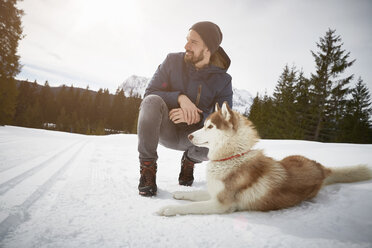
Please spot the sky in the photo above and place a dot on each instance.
(101, 43)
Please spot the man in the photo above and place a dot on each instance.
(180, 95)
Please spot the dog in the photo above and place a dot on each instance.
(240, 178)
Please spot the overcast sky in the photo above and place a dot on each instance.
(101, 43)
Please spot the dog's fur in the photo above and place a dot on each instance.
(250, 180)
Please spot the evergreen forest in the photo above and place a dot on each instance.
(328, 106)
(75, 110)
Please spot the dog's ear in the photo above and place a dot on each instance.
(226, 111)
(217, 107)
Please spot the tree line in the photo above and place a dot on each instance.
(63, 108)
(75, 110)
(324, 107)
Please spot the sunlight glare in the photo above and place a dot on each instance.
(110, 14)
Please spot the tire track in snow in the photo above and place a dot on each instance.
(4, 187)
(14, 163)
(19, 214)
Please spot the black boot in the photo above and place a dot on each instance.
(186, 176)
(147, 185)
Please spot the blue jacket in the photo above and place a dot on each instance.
(203, 87)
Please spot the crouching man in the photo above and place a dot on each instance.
(180, 95)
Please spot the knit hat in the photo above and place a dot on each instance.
(210, 33)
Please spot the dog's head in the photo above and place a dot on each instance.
(225, 129)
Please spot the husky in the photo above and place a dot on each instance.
(240, 178)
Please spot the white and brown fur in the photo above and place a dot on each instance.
(253, 181)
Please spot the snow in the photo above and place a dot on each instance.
(67, 190)
(242, 100)
(135, 85)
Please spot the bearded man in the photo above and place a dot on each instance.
(180, 96)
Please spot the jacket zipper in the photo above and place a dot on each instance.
(198, 96)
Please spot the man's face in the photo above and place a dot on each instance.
(195, 48)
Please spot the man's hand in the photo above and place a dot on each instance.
(191, 114)
(178, 116)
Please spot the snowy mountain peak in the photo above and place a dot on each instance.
(242, 100)
(136, 85)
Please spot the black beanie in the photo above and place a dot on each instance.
(210, 33)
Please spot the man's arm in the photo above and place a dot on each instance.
(187, 113)
(159, 85)
(191, 112)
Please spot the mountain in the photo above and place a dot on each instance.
(242, 100)
(136, 85)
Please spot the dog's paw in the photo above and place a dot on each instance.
(180, 195)
(168, 211)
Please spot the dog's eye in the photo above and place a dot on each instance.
(210, 127)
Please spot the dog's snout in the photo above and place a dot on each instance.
(190, 137)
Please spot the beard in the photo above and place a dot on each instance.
(192, 58)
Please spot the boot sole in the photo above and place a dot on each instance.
(147, 191)
(188, 183)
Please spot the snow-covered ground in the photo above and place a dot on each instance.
(67, 190)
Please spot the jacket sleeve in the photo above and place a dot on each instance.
(160, 85)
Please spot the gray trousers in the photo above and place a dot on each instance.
(154, 127)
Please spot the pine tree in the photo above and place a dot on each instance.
(328, 90)
(26, 99)
(132, 105)
(356, 124)
(256, 114)
(85, 110)
(284, 116)
(100, 129)
(34, 115)
(106, 106)
(261, 113)
(97, 109)
(255, 111)
(8, 100)
(101, 110)
(10, 34)
(117, 112)
(70, 103)
(304, 121)
(48, 104)
(63, 121)
(62, 98)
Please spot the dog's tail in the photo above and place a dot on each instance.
(348, 174)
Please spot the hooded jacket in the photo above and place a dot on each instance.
(204, 87)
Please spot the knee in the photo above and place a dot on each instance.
(152, 102)
(152, 107)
